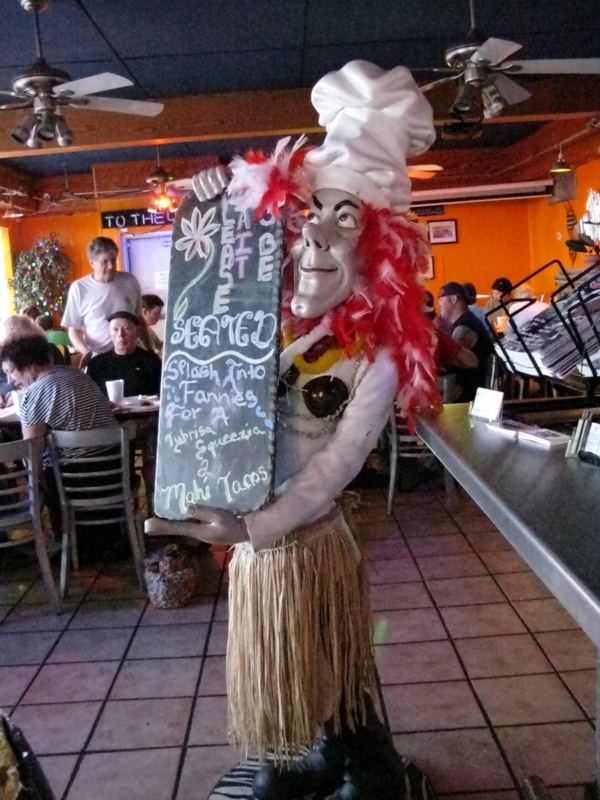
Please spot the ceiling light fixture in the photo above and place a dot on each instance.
(162, 202)
(21, 133)
(560, 166)
(42, 126)
(493, 101)
(463, 103)
(64, 135)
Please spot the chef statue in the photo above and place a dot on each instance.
(354, 342)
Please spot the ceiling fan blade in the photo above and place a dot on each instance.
(557, 66)
(102, 82)
(510, 90)
(22, 104)
(428, 86)
(417, 174)
(141, 108)
(493, 51)
(426, 167)
(180, 185)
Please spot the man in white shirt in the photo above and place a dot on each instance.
(94, 298)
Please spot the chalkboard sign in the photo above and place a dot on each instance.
(220, 361)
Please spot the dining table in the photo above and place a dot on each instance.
(136, 408)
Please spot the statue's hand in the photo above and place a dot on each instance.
(210, 182)
(213, 525)
(218, 526)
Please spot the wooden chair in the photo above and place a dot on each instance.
(21, 503)
(93, 476)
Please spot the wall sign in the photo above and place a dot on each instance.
(135, 218)
(220, 361)
(428, 211)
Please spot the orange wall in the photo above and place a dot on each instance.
(493, 241)
(508, 238)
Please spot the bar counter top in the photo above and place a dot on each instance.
(547, 506)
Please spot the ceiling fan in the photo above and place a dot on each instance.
(47, 89)
(10, 208)
(481, 70)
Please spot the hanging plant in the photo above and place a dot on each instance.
(41, 275)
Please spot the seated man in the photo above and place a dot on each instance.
(152, 306)
(471, 333)
(138, 368)
(501, 289)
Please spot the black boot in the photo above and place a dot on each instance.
(321, 770)
(374, 770)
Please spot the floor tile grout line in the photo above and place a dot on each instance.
(538, 644)
(476, 697)
(44, 662)
(185, 744)
(94, 726)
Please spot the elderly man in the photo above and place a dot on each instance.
(93, 298)
(471, 333)
(138, 368)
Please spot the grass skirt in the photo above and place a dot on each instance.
(299, 649)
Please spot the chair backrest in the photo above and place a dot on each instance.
(93, 473)
(20, 465)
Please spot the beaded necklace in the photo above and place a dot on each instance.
(318, 365)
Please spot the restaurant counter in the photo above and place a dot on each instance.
(547, 506)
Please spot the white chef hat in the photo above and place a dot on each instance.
(374, 119)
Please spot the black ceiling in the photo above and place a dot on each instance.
(172, 48)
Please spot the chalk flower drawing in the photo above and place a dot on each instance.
(198, 231)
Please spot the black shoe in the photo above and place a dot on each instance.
(321, 770)
(374, 770)
(376, 783)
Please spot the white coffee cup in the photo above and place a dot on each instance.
(115, 391)
(17, 396)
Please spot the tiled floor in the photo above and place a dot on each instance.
(485, 679)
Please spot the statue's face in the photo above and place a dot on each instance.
(326, 259)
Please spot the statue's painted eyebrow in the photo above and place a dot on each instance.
(343, 203)
(337, 207)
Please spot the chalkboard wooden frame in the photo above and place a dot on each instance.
(216, 434)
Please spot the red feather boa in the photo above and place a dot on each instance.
(386, 309)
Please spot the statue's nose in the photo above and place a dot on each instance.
(315, 236)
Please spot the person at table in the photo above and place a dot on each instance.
(140, 370)
(16, 327)
(91, 300)
(525, 306)
(474, 308)
(55, 398)
(501, 289)
(55, 336)
(471, 333)
(127, 361)
(152, 306)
